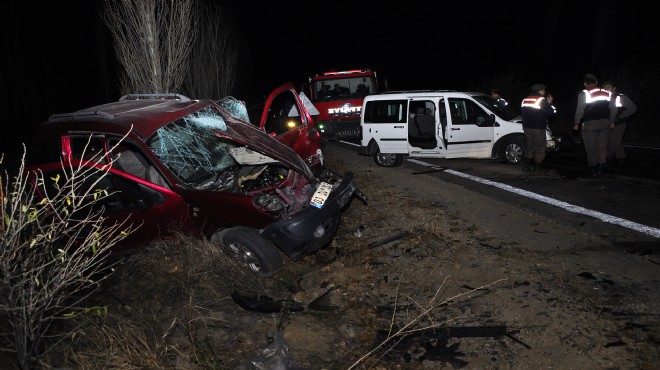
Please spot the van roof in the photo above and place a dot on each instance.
(420, 93)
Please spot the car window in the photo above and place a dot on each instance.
(110, 193)
(88, 148)
(283, 114)
(466, 112)
(191, 148)
(128, 158)
(386, 111)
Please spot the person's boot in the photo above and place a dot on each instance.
(618, 164)
(539, 169)
(600, 170)
(593, 171)
(526, 165)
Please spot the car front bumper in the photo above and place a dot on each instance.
(299, 235)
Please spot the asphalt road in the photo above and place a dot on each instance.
(622, 205)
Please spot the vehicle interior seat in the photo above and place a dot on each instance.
(425, 121)
(413, 129)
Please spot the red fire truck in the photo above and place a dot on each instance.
(338, 96)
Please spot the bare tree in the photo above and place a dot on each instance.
(214, 58)
(153, 40)
(52, 253)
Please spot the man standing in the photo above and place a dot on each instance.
(625, 109)
(597, 113)
(535, 110)
(496, 94)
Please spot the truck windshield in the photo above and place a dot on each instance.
(344, 88)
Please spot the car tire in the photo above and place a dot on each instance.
(387, 159)
(513, 150)
(251, 249)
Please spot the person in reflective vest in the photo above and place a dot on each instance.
(625, 109)
(535, 110)
(596, 112)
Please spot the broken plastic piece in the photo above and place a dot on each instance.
(274, 357)
(265, 304)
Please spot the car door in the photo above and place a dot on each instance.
(386, 122)
(150, 206)
(287, 116)
(470, 129)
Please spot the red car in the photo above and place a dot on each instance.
(194, 166)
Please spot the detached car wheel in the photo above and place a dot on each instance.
(251, 249)
(387, 159)
(514, 150)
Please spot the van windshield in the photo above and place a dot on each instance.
(504, 112)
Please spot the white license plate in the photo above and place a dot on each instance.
(321, 195)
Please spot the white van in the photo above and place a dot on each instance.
(440, 124)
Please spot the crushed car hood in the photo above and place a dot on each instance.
(255, 139)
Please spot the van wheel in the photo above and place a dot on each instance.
(387, 159)
(514, 150)
(250, 249)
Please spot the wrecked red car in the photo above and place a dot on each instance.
(181, 165)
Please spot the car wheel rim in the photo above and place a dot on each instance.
(245, 256)
(513, 153)
(386, 159)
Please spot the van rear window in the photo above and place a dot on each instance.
(385, 111)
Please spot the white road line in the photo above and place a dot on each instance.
(652, 231)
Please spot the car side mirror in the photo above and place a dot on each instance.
(492, 121)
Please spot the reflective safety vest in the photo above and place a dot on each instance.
(534, 101)
(597, 101)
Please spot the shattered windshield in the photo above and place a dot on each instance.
(191, 149)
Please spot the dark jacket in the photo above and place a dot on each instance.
(535, 111)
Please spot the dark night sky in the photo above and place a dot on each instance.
(57, 56)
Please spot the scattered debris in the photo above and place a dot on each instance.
(265, 304)
(491, 246)
(359, 230)
(390, 239)
(323, 303)
(587, 275)
(274, 357)
(432, 344)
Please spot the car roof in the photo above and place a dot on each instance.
(145, 116)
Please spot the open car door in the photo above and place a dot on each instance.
(287, 116)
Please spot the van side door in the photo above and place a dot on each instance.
(469, 132)
(386, 122)
(423, 126)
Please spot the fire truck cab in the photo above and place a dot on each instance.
(338, 95)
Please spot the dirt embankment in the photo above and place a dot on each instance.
(470, 281)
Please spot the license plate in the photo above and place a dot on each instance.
(351, 133)
(321, 195)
